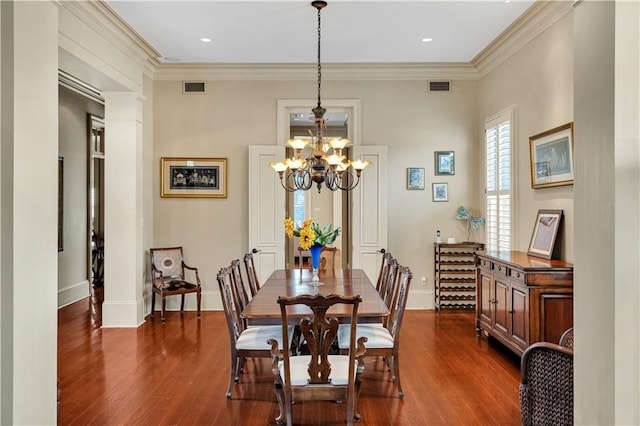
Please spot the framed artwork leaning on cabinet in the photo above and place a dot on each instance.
(545, 233)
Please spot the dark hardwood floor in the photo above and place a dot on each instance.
(177, 374)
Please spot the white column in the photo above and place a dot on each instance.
(123, 264)
(28, 194)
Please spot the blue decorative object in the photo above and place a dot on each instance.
(315, 260)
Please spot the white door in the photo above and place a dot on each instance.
(369, 223)
(266, 209)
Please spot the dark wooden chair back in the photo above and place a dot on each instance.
(399, 303)
(252, 274)
(384, 268)
(319, 331)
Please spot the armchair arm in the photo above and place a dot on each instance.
(191, 268)
(276, 356)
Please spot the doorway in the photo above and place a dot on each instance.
(95, 199)
(324, 206)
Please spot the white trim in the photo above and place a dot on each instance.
(73, 293)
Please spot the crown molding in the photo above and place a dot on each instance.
(100, 16)
(534, 21)
(283, 72)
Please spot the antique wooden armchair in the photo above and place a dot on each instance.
(318, 376)
(168, 278)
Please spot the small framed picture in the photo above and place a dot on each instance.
(545, 231)
(440, 192)
(194, 177)
(415, 178)
(552, 157)
(444, 163)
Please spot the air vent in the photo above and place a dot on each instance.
(439, 86)
(193, 87)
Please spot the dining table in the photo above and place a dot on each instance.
(263, 308)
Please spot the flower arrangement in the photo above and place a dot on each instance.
(310, 233)
(473, 222)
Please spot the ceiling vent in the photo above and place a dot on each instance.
(439, 86)
(193, 87)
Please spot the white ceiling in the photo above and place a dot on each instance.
(353, 31)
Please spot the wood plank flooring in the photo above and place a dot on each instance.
(177, 374)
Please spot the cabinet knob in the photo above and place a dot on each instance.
(510, 312)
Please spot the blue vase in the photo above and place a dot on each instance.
(315, 259)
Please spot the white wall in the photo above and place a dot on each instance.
(231, 115)
(538, 81)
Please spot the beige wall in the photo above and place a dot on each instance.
(232, 115)
(73, 276)
(538, 81)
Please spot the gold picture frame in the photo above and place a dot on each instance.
(186, 177)
(551, 155)
(545, 232)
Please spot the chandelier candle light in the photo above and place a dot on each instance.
(326, 163)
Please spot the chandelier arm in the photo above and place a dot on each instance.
(349, 186)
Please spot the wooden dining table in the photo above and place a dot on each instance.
(264, 308)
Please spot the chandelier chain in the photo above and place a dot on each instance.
(319, 62)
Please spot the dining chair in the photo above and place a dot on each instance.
(384, 269)
(168, 278)
(546, 385)
(252, 274)
(319, 376)
(244, 341)
(384, 340)
(327, 259)
(388, 287)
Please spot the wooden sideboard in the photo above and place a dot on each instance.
(523, 299)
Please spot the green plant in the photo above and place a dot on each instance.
(473, 222)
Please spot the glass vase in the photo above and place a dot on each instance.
(315, 261)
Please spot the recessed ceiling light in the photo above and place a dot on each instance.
(169, 59)
(205, 40)
(426, 40)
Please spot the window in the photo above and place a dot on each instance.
(499, 180)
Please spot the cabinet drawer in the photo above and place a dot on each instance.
(516, 274)
(485, 263)
(502, 269)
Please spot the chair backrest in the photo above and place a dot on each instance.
(319, 333)
(546, 388)
(328, 258)
(388, 287)
(384, 268)
(399, 302)
(252, 275)
(566, 339)
(166, 263)
(240, 295)
(234, 323)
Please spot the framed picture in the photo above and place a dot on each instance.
(415, 178)
(552, 157)
(194, 177)
(545, 231)
(444, 163)
(440, 191)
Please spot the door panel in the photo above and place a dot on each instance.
(519, 316)
(485, 298)
(370, 206)
(501, 295)
(266, 209)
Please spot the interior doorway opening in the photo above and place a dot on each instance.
(95, 200)
(324, 206)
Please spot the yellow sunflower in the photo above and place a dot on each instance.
(307, 237)
(288, 227)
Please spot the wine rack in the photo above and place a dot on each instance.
(455, 276)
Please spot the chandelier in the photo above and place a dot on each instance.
(326, 163)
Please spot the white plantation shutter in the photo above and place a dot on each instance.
(499, 179)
